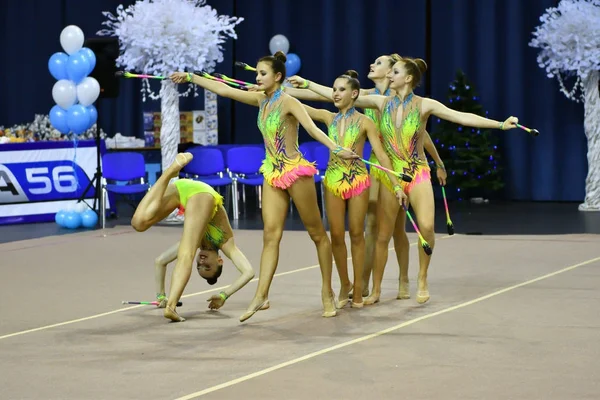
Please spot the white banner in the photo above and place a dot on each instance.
(40, 181)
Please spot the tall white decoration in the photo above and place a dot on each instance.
(159, 37)
(569, 39)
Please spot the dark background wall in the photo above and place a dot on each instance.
(488, 39)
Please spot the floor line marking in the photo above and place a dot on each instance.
(104, 314)
(380, 333)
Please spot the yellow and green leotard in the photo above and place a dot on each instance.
(375, 115)
(346, 178)
(283, 163)
(403, 145)
(215, 235)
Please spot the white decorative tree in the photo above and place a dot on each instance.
(569, 39)
(159, 37)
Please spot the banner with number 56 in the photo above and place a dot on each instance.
(35, 181)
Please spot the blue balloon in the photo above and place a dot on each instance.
(59, 218)
(77, 67)
(57, 65)
(89, 219)
(93, 115)
(58, 119)
(292, 64)
(78, 119)
(72, 220)
(91, 57)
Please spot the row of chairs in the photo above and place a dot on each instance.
(218, 167)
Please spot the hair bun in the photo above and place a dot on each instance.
(280, 55)
(211, 281)
(351, 73)
(395, 58)
(421, 64)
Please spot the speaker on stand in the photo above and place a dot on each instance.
(106, 50)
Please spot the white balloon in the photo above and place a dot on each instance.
(279, 43)
(71, 39)
(88, 91)
(64, 93)
(80, 207)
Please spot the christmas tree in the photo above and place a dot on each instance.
(471, 155)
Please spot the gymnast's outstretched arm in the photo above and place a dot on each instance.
(242, 264)
(434, 107)
(318, 114)
(220, 88)
(363, 101)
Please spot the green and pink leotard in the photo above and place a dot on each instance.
(375, 116)
(283, 163)
(404, 145)
(346, 178)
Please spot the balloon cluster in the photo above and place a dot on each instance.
(74, 92)
(281, 43)
(75, 216)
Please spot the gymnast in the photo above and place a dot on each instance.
(206, 227)
(347, 181)
(403, 119)
(378, 71)
(287, 173)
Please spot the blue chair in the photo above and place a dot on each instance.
(307, 150)
(243, 165)
(124, 167)
(208, 166)
(321, 154)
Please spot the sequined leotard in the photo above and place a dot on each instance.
(218, 230)
(375, 115)
(346, 178)
(283, 163)
(404, 144)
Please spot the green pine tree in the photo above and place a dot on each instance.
(471, 155)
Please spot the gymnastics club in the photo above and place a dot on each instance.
(225, 77)
(404, 177)
(148, 303)
(426, 247)
(448, 220)
(206, 75)
(534, 132)
(125, 74)
(245, 66)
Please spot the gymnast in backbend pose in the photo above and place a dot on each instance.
(206, 227)
(378, 74)
(347, 181)
(287, 174)
(403, 119)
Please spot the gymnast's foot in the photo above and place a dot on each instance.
(344, 296)
(258, 303)
(422, 291)
(373, 298)
(403, 290)
(171, 314)
(181, 160)
(328, 299)
(365, 291)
